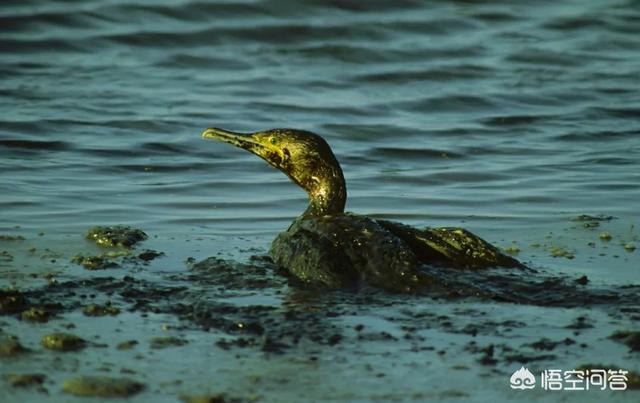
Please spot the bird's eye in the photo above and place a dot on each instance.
(273, 140)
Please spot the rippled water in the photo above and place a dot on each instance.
(519, 115)
(436, 112)
(505, 118)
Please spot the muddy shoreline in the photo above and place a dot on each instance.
(254, 310)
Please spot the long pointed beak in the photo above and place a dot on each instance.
(242, 140)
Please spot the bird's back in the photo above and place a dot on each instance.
(344, 250)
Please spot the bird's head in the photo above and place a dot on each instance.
(304, 157)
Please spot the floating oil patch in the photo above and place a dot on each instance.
(36, 314)
(63, 342)
(99, 262)
(102, 386)
(148, 255)
(605, 236)
(212, 398)
(559, 251)
(12, 301)
(10, 346)
(512, 249)
(591, 221)
(123, 239)
(116, 236)
(604, 240)
(167, 341)
(553, 248)
(11, 238)
(101, 310)
(25, 380)
(629, 337)
(127, 345)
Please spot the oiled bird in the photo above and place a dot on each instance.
(325, 246)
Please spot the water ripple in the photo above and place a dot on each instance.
(436, 110)
(36, 145)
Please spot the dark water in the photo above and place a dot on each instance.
(508, 118)
(519, 115)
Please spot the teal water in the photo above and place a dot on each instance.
(507, 118)
(519, 115)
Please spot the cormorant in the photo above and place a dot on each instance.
(326, 246)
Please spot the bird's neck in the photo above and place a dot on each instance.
(329, 196)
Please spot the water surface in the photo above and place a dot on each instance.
(506, 118)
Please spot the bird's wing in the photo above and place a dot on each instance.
(449, 246)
